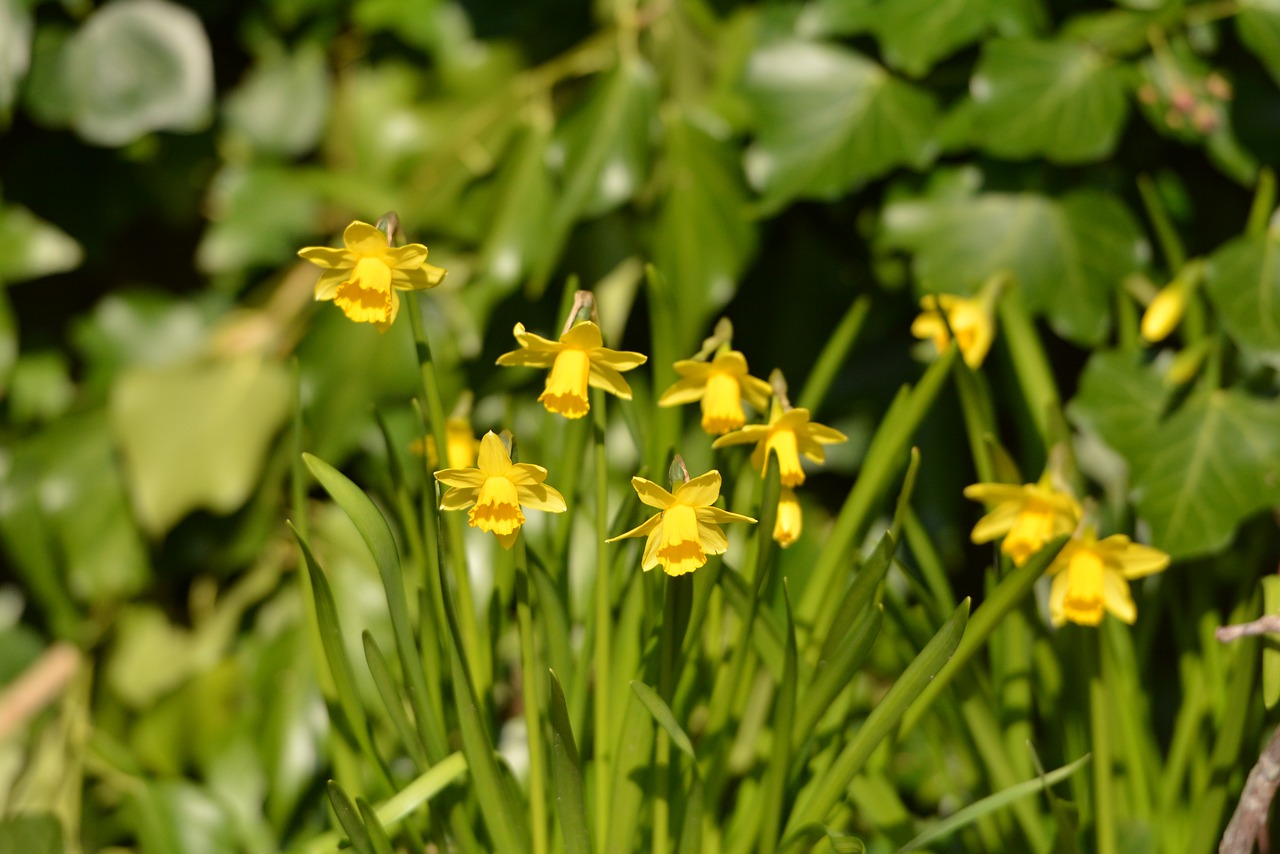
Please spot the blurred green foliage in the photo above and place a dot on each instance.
(161, 163)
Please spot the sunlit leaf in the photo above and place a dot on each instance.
(703, 237)
(1058, 100)
(1120, 399)
(914, 34)
(196, 436)
(138, 66)
(829, 120)
(31, 247)
(1213, 464)
(1243, 281)
(15, 51)
(1258, 23)
(281, 106)
(1066, 255)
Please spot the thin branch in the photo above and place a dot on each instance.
(1268, 625)
(39, 685)
(1249, 822)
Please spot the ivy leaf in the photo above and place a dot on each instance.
(196, 435)
(281, 106)
(1120, 400)
(1205, 470)
(31, 248)
(1243, 282)
(703, 238)
(915, 34)
(138, 66)
(1258, 23)
(829, 120)
(1059, 100)
(1065, 254)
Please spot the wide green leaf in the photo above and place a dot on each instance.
(703, 237)
(281, 106)
(915, 34)
(138, 66)
(1120, 400)
(32, 833)
(31, 248)
(1059, 100)
(1243, 280)
(196, 436)
(828, 120)
(1258, 23)
(15, 51)
(1205, 470)
(1066, 255)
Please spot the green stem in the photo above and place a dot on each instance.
(1103, 791)
(602, 649)
(530, 676)
(666, 688)
(1166, 235)
(833, 355)
(977, 420)
(1030, 364)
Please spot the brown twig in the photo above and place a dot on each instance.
(1249, 823)
(39, 685)
(1267, 625)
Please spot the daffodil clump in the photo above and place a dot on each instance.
(687, 527)
(578, 360)
(496, 490)
(1091, 577)
(365, 276)
(1027, 516)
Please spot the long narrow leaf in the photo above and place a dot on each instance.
(991, 803)
(662, 714)
(775, 776)
(349, 818)
(566, 776)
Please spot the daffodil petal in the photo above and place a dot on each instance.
(493, 458)
(810, 449)
(745, 436)
(825, 435)
(692, 368)
(721, 517)
(701, 491)
(1058, 599)
(363, 239)
(652, 494)
(651, 546)
(414, 279)
(330, 281)
(507, 540)
(407, 257)
(683, 391)
(712, 538)
(995, 492)
(384, 325)
(528, 359)
(1137, 560)
(583, 336)
(526, 474)
(928, 326)
(539, 496)
(995, 524)
(640, 530)
(461, 477)
(1116, 597)
(604, 377)
(328, 257)
(459, 497)
(731, 362)
(619, 360)
(530, 341)
(757, 392)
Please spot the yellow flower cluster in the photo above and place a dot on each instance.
(1090, 576)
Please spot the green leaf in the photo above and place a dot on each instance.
(829, 120)
(964, 817)
(196, 436)
(138, 66)
(1270, 645)
(15, 52)
(516, 240)
(350, 820)
(915, 34)
(775, 776)
(1209, 467)
(1059, 100)
(1066, 255)
(1243, 282)
(566, 776)
(32, 833)
(835, 672)
(392, 700)
(1120, 400)
(702, 239)
(282, 105)
(663, 715)
(818, 798)
(31, 248)
(1258, 23)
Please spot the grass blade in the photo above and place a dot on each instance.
(566, 776)
(349, 818)
(775, 776)
(662, 714)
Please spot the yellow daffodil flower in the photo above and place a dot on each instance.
(460, 445)
(1165, 312)
(577, 360)
(1091, 576)
(970, 319)
(1027, 516)
(363, 278)
(687, 529)
(720, 384)
(496, 489)
(788, 434)
(789, 522)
